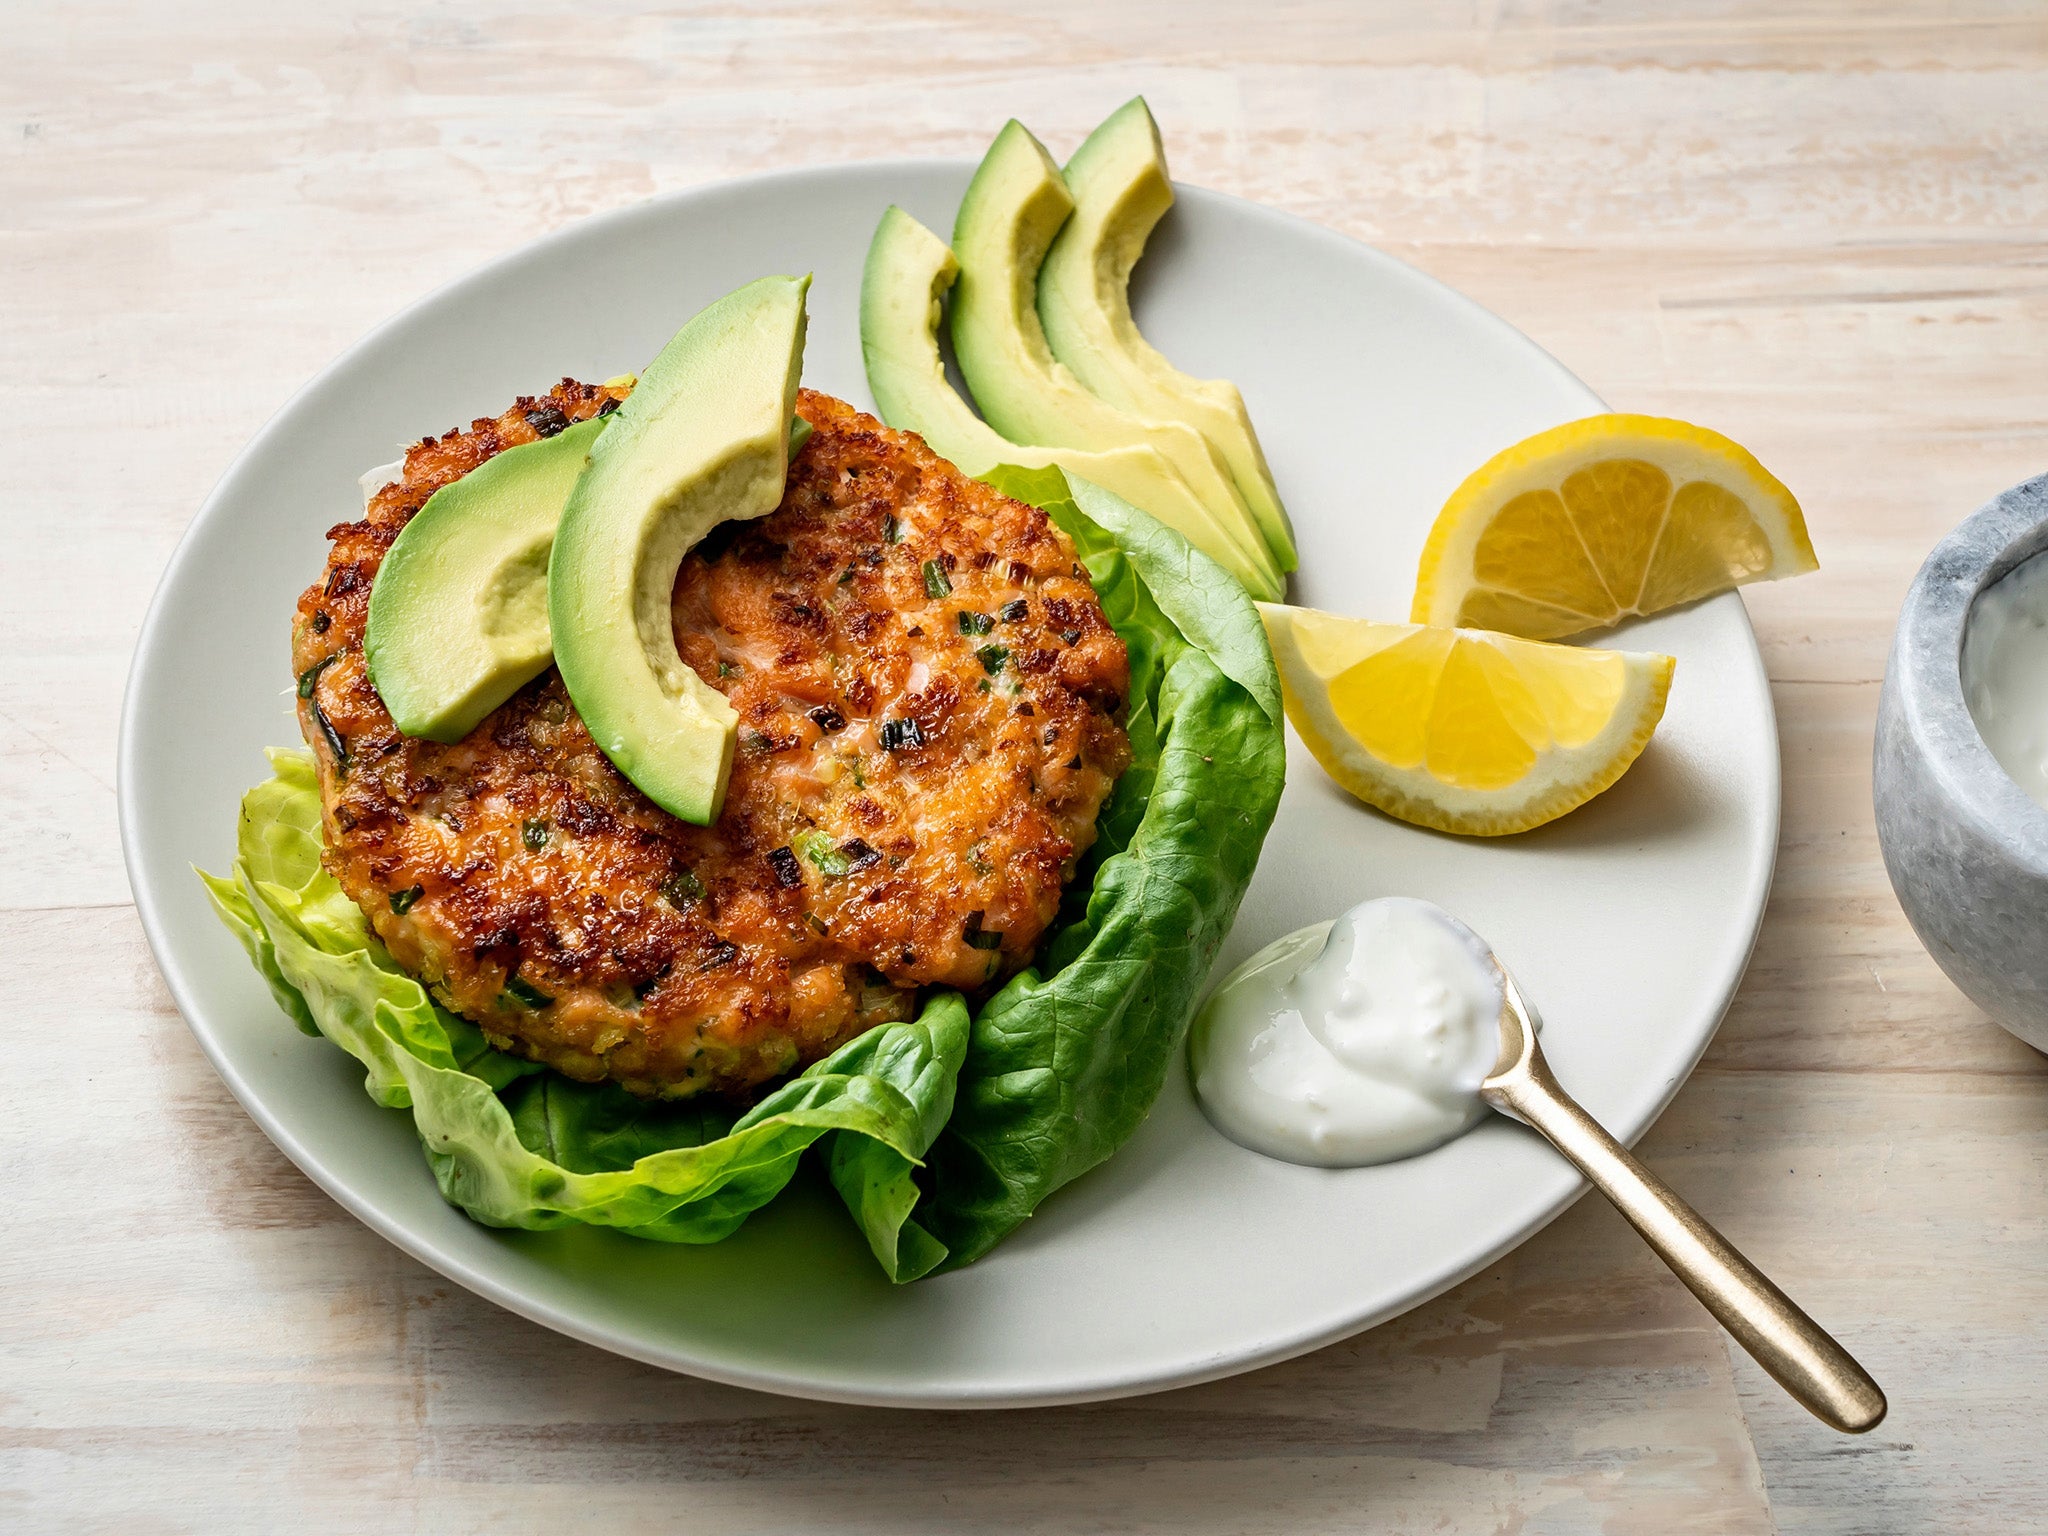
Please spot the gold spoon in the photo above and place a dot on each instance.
(1800, 1356)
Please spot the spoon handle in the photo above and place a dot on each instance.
(1805, 1361)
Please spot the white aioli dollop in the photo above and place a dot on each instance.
(2005, 673)
(1351, 1042)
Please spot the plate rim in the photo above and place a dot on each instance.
(422, 1246)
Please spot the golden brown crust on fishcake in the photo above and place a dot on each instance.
(909, 792)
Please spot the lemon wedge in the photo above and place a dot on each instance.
(1601, 519)
(1461, 729)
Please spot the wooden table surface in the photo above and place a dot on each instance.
(1820, 228)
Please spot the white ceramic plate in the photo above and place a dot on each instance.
(1184, 1258)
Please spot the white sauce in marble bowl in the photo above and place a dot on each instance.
(2005, 673)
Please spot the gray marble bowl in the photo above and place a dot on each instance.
(1966, 848)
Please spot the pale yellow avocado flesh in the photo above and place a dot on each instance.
(1012, 210)
(704, 439)
(902, 295)
(1121, 190)
(459, 611)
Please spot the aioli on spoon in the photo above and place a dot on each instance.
(1800, 1356)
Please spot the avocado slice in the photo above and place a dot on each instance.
(1121, 189)
(902, 291)
(702, 440)
(1008, 217)
(459, 610)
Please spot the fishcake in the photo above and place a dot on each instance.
(930, 701)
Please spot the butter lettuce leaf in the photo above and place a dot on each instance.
(940, 1134)
(517, 1146)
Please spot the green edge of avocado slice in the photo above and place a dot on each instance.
(1121, 190)
(458, 617)
(703, 439)
(903, 288)
(1012, 210)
